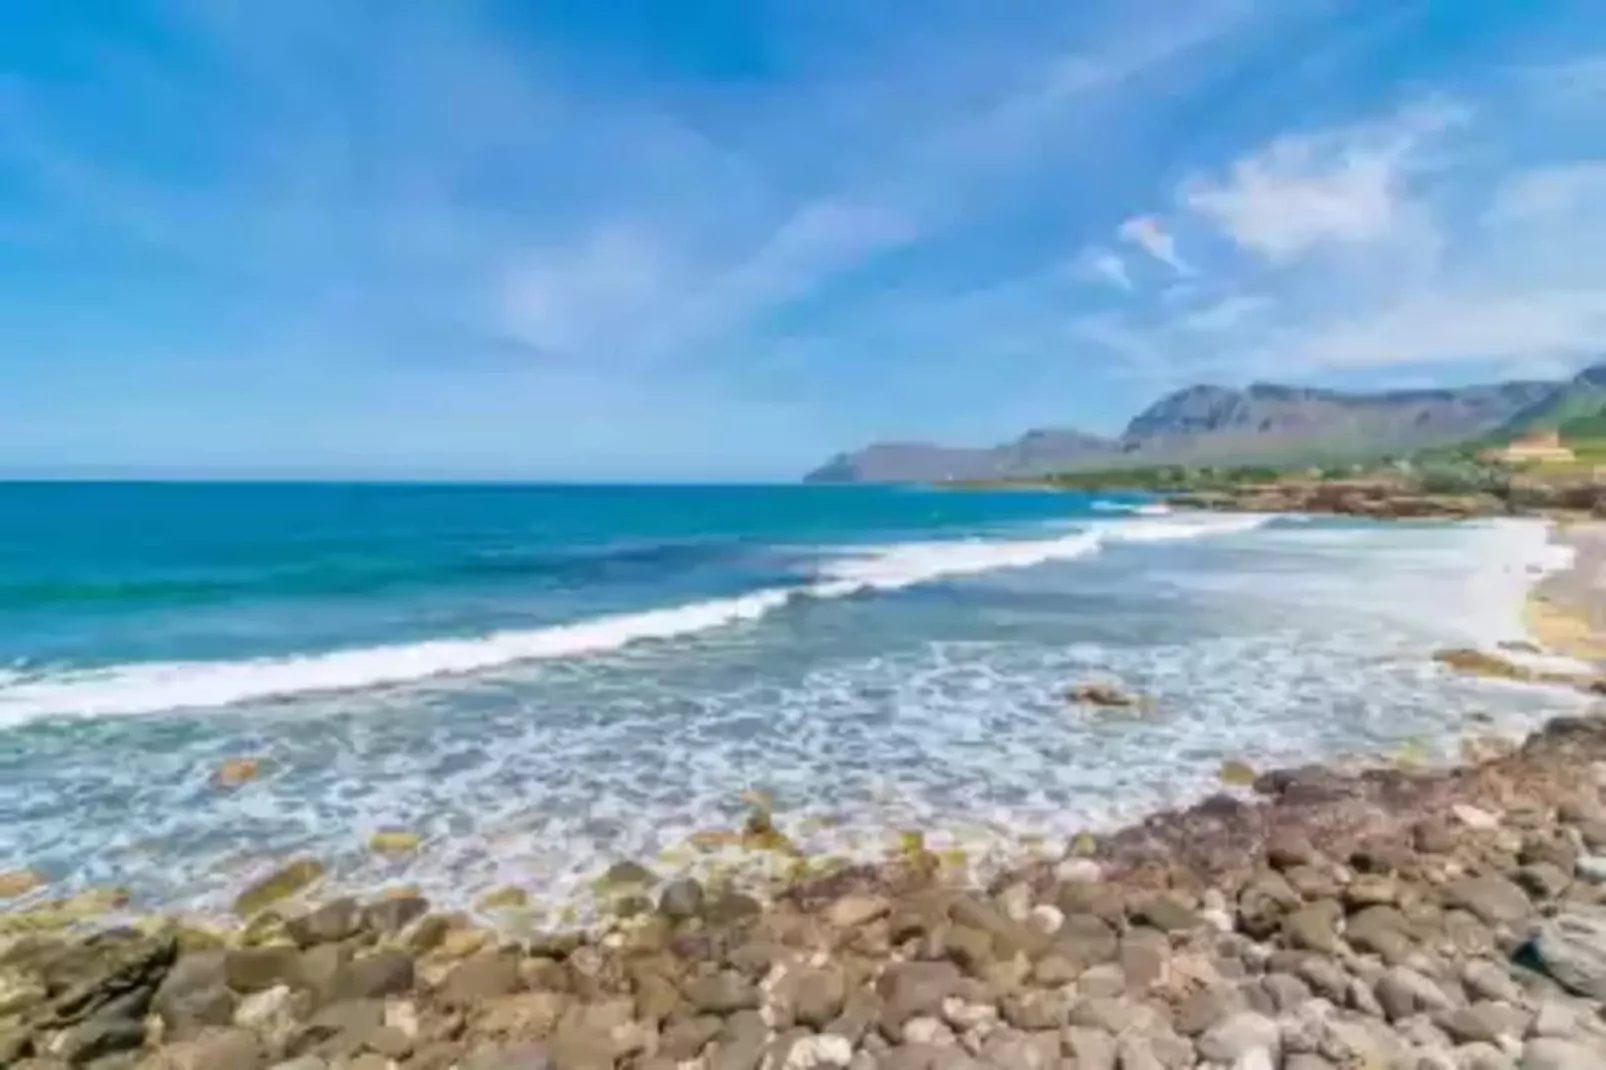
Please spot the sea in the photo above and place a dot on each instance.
(539, 681)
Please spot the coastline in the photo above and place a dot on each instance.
(1325, 915)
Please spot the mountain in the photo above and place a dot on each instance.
(1267, 422)
(1579, 398)
(1261, 423)
(1033, 454)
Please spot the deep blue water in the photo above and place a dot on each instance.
(543, 679)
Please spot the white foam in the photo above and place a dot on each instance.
(163, 686)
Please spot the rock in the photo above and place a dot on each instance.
(1474, 818)
(914, 989)
(853, 911)
(722, 993)
(627, 875)
(1091, 1049)
(1236, 774)
(1078, 870)
(816, 996)
(1548, 1053)
(295, 877)
(482, 977)
(394, 842)
(1479, 663)
(512, 1057)
(321, 969)
(15, 883)
(1572, 948)
(100, 1036)
(1553, 1018)
(260, 1010)
(221, 1049)
(375, 976)
(1484, 1021)
(1402, 992)
(195, 994)
(1591, 868)
(1237, 1036)
(1107, 696)
(525, 1015)
(741, 1043)
(1370, 890)
(235, 772)
(1382, 931)
(329, 924)
(1035, 1009)
(1488, 980)
(508, 898)
(1313, 927)
(1307, 1061)
(686, 1038)
(1481, 1056)
(1116, 1014)
(1205, 1007)
(1085, 940)
(681, 900)
(1544, 880)
(19, 995)
(1054, 970)
(255, 969)
(1144, 954)
(392, 914)
(1167, 913)
(819, 1053)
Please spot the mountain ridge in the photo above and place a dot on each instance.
(1257, 423)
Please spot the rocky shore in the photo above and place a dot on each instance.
(1391, 918)
(1402, 499)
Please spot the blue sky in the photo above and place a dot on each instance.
(705, 239)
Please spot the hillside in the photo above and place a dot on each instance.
(1261, 423)
(1581, 398)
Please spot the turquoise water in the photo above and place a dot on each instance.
(540, 680)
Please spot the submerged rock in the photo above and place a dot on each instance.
(19, 882)
(1104, 695)
(282, 884)
(236, 771)
(1479, 663)
(393, 842)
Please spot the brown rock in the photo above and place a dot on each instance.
(1314, 927)
(256, 969)
(236, 771)
(1104, 695)
(482, 977)
(912, 989)
(722, 993)
(374, 976)
(329, 924)
(15, 883)
(1494, 899)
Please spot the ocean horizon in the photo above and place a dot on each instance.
(539, 680)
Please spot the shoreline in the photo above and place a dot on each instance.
(1333, 916)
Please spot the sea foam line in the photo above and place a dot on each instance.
(166, 686)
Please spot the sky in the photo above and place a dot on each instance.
(724, 239)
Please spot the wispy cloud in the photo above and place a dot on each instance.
(1147, 233)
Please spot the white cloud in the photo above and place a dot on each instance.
(1147, 233)
(1101, 265)
(1302, 192)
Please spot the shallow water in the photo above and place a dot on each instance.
(544, 680)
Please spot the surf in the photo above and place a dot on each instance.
(156, 687)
